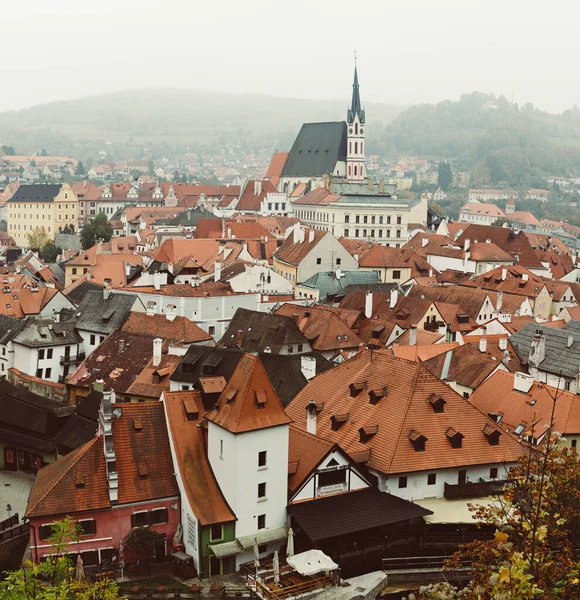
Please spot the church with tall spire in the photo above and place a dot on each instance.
(332, 149)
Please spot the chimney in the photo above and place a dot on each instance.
(308, 367)
(413, 335)
(157, 343)
(338, 273)
(311, 417)
(311, 236)
(121, 345)
(217, 270)
(106, 428)
(570, 341)
(296, 233)
(229, 232)
(371, 184)
(503, 274)
(424, 242)
(381, 186)
(502, 343)
(106, 293)
(296, 318)
(394, 298)
(523, 382)
(483, 345)
(257, 188)
(302, 233)
(430, 272)
(99, 385)
(466, 244)
(56, 317)
(368, 305)
(537, 349)
(157, 281)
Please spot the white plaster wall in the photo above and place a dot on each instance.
(255, 279)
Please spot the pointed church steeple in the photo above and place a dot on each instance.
(355, 106)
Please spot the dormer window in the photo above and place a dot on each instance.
(492, 434)
(137, 425)
(230, 395)
(455, 437)
(261, 399)
(366, 433)
(356, 389)
(418, 440)
(437, 403)
(142, 469)
(376, 395)
(337, 421)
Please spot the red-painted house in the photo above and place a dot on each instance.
(122, 478)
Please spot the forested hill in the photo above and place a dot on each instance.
(501, 142)
(175, 116)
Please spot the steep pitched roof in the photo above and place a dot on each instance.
(249, 401)
(316, 150)
(402, 406)
(276, 166)
(497, 395)
(294, 253)
(305, 451)
(104, 315)
(201, 488)
(57, 488)
(43, 192)
(178, 329)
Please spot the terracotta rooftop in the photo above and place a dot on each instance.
(294, 253)
(179, 329)
(276, 166)
(184, 414)
(248, 401)
(516, 408)
(305, 451)
(376, 389)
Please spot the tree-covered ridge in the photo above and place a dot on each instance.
(499, 142)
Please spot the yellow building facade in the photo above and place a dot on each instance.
(36, 207)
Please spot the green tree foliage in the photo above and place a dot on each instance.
(8, 150)
(495, 140)
(444, 175)
(49, 252)
(96, 229)
(37, 238)
(143, 541)
(533, 553)
(55, 578)
(80, 168)
(43, 152)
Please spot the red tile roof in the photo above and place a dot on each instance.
(249, 401)
(276, 166)
(305, 451)
(404, 408)
(179, 329)
(201, 488)
(250, 200)
(294, 253)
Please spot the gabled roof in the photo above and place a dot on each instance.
(404, 407)
(104, 315)
(253, 195)
(202, 491)
(42, 192)
(178, 329)
(37, 333)
(336, 283)
(305, 451)
(294, 253)
(276, 166)
(249, 401)
(255, 331)
(316, 150)
(323, 326)
(374, 256)
(497, 395)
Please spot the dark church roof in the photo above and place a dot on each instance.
(316, 150)
(36, 193)
(355, 106)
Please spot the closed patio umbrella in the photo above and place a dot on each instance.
(256, 555)
(79, 569)
(290, 544)
(276, 568)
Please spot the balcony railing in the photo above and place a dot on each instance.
(72, 358)
(475, 489)
(433, 325)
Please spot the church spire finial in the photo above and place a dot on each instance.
(355, 107)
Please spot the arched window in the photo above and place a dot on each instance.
(355, 170)
(362, 148)
(356, 128)
(286, 187)
(356, 147)
(350, 147)
(349, 170)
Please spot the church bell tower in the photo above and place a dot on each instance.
(355, 122)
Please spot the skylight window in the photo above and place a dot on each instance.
(519, 429)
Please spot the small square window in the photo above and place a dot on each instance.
(216, 532)
(92, 340)
(431, 478)
(39, 373)
(211, 330)
(261, 521)
(49, 353)
(41, 354)
(402, 482)
(47, 373)
(493, 473)
(262, 458)
(318, 261)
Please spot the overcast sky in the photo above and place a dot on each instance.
(409, 51)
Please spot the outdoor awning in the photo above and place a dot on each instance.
(226, 549)
(363, 510)
(181, 556)
(311, 562)
(264, 536)
(451, 511)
